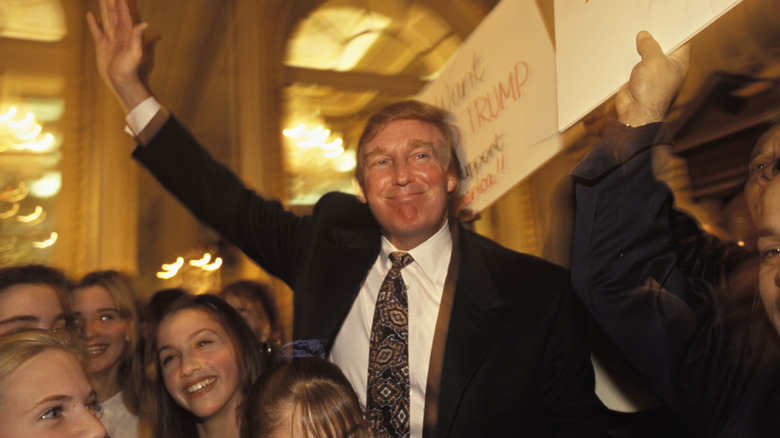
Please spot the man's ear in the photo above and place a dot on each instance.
(358, 190)
(452, 182)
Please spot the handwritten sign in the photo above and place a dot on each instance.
(596, 49)
(500, 88)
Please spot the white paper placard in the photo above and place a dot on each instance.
(501, 88)
(596, 48)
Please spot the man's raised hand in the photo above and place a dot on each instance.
(653, 84)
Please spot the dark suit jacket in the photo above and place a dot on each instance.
(706, 351)
(515, 361)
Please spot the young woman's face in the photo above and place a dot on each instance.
(49, 397)
(106, 333)
(199, 363)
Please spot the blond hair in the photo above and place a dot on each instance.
(18, 348)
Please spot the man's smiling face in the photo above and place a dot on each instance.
(406, 182)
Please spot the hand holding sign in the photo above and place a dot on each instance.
(654, 82)
(594, 43)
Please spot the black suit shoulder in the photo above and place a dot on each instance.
(507, 265)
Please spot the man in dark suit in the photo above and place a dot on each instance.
(496, 345)
(711, 355)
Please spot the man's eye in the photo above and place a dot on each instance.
(54, 412)
(770, 254)
(757, 168)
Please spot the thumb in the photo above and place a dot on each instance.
(647, 46)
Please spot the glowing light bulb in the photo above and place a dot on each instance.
(37, 216)
(9, 115)
(295, 132)
(203, 261)
(25, 123)
(169, 270)
(214, 266)
(46, 243)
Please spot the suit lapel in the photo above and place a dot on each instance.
(471, 333)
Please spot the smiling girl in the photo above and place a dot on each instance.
(105, 312)
(44, 391)
(206, 359)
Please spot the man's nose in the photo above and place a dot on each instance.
(403, 174)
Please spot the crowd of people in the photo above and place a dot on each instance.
(406, 323)
(74, 362)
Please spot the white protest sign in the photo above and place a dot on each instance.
(501, 87)
(596, 48)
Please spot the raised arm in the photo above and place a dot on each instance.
(624, 253)
(696, 352)
(119, 50)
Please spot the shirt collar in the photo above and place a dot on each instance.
(432, 256)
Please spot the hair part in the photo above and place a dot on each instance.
(308, 394)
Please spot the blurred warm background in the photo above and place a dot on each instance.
(247, 76)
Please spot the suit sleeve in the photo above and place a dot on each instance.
(261, 228)
(570, 407)
(626, 268)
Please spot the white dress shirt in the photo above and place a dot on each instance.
(424, 279)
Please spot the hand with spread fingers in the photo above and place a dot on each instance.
(119, 49)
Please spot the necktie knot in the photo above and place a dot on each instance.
(400, 259)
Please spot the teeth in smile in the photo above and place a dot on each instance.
(200, 385)
(95, 349)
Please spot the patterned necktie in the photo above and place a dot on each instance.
(387, 404)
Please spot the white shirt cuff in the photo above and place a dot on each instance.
(141, 115)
